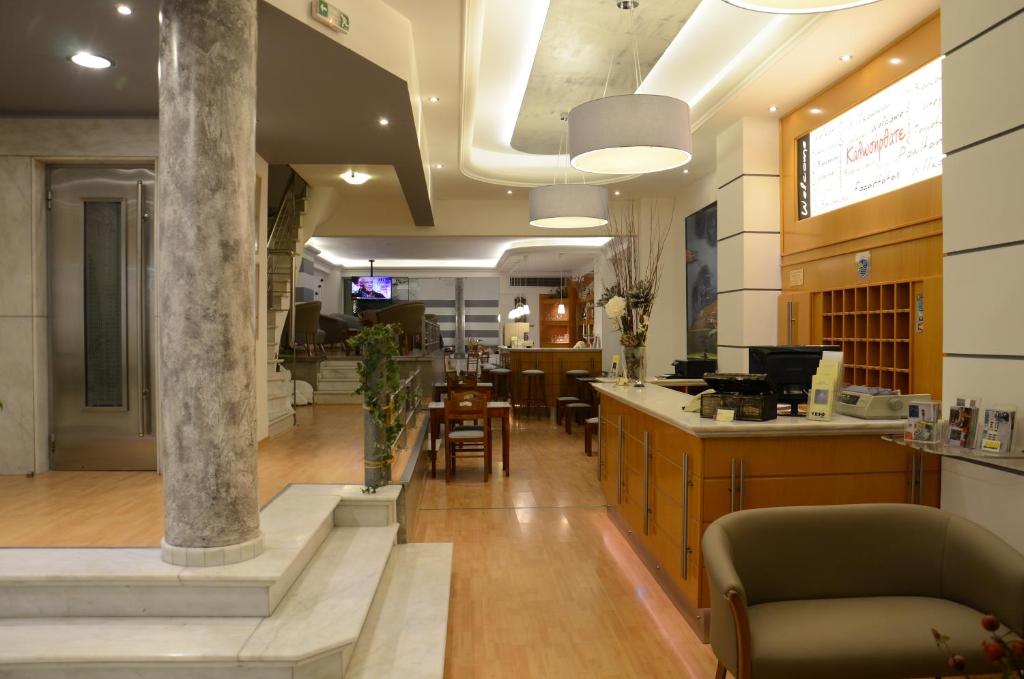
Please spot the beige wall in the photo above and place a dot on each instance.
(982, 204)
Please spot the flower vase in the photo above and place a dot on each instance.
(635, 365)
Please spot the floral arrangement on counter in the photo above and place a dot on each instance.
(629, 299)
(1006, 650)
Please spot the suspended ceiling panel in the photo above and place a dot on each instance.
(580, 40)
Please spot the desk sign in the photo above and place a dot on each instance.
(330, 16)
(725, 415)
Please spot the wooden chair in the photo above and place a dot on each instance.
(466, 405)
(456, 381)
(473, 363)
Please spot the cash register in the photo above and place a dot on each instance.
(875, 403)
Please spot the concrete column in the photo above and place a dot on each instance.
(749, 263)
(460, 317)
(205, 290)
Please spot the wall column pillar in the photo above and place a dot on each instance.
(205, 280)
(749, 262)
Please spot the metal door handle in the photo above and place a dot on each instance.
(684, 549)
(647, 479)
(600, 446)
(741, 483)
(789, 322)
(140, 266)
(618, 481)
(913, 478)
(920, 479)
(732, 485)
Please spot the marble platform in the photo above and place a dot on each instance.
(335, 591)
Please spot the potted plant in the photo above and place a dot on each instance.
(379, 386)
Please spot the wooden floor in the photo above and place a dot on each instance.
(543, 583)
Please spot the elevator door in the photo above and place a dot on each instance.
(101, 281)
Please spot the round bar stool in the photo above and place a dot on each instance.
(535, 395)
(588, 435)
(574, 410)
(501, 378)
(560, 406)
(572, 383)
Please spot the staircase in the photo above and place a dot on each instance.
(337, 382)
(283, 252)
(332, 596)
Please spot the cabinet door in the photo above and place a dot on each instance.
(633, 506)
(611, 440)
(795, 318)
(674, 531)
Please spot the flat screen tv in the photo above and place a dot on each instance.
(371, 287)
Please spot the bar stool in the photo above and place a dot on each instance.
(560, 406)
(573, 410)
(572, 383)
(588, 435)
(501, 378)
(533, 389)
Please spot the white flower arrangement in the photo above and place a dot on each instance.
(615, 307)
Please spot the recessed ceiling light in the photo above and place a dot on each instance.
(846, 57)
(384, 122)
(773, 109)
(618, 193)
(438, 166)
(687, 171)
(89, 60)
(355, 178)
(895, 60)
(124, 10)
(815, 111)
(509, 192)
(434, 100)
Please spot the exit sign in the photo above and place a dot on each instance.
(330, 16)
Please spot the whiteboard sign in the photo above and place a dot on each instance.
(892, 140)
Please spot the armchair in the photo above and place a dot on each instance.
(853, 591)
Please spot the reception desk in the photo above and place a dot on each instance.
(554, 363)
(667, 475)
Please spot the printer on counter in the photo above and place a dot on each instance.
(692, 369)
(875, 403)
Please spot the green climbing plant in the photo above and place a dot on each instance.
(379, 383)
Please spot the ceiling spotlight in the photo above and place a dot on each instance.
(509, 192)
(846, 57)
(773, 109)
(895, 61)
(384, 122)
(124, 10)
(618, 193)
(815, 111)
(355, 178)
(686, 171)
(434, 100)
(438, 166)
(88, 60)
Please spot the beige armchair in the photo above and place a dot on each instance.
(853, 591)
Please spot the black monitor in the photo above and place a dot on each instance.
(789, 369)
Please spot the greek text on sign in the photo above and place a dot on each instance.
(329, 15)
(889, 141)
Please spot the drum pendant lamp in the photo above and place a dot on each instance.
(630, 133)
(568, 206)
(798, 6)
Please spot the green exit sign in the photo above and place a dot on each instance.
(330, 16)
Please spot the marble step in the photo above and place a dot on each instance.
(311, 634)
(346, 386)
(97, 582)
(279, 388)
(339, 374)
(405, 633)
(279, 424)
(321, 397)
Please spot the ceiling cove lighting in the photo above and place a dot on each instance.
(797, 6)
(355, 178)
(630, 133)
(124, 10)
(89, 60)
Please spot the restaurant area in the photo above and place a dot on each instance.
(396, 339)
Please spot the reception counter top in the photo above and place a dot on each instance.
(667, 406)
(541, 349)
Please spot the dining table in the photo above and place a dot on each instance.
(442, 388)
(501, 410)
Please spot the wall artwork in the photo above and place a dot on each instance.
(702, 283)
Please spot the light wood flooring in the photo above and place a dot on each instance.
(543, 584)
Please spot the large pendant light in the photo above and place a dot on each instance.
(568, 206)
(798, 6)
(631, 133)
(565, 205)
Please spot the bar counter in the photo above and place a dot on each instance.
(667, 474)
(554, 362)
